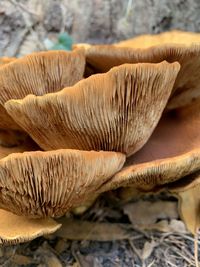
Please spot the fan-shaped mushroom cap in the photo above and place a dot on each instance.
(186, 88)
(171, 37)
(172, 152)
(38, 73)
(115, 111)
(40, 184)
(16, 229)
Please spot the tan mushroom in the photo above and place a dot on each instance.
(38, 73)
(40, 184)
(172, 152)
(115, 111)
(171, 37)
(17, 229)
(102, 58)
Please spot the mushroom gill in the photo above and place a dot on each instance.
(40, 184)
(172, 152)
(38, 73)
(115, 111)
(167, 46)
(16, 229)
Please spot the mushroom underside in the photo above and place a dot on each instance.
(172, 152)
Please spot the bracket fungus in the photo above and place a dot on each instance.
(115, 111)
(38, 73)
(155, 49)
(172, 152)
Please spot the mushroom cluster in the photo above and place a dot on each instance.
(76, 124)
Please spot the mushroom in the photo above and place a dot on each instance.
(38, 73)
(171, 37)
(40, 184)
(115, 111)
(172, 152)
(17, 229)
(173, 46)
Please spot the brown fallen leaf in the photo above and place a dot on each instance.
(21, 260)
(61, 246)
(172, 226)
(86, 261)
(53, 261)
(85, 230)
(188, 193)
(48, 257)
(146, 212)
(148, 249)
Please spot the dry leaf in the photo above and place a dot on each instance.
(148, 249)
(21, 260)
(174, 226)
(86, 261)
(52, 261)
(49, 257)
(85, 230)
(147, 212)
(189, 200)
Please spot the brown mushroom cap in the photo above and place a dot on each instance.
(172, 152)
(102, 58)
(16, 229)
(38, 73)
(115, 111)
(171, 37)
(39, 184)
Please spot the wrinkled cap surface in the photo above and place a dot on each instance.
(40, 184)
(172, 152)
(115, 111)
(38, 73)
